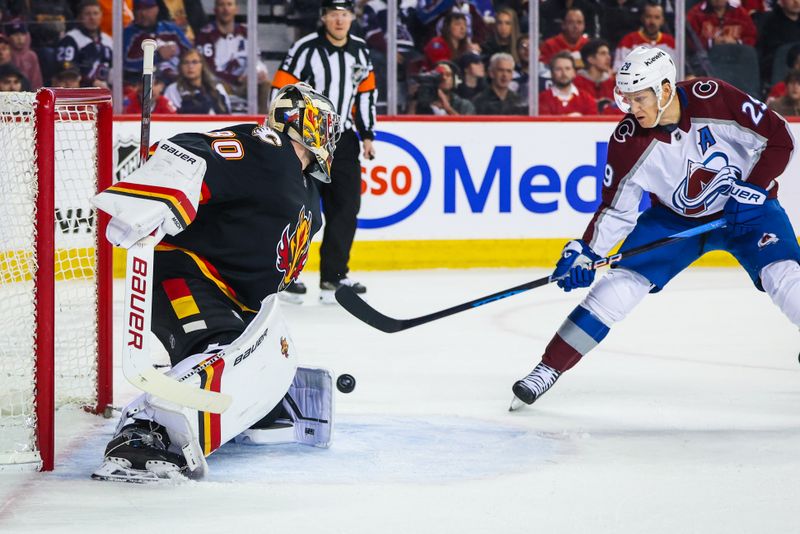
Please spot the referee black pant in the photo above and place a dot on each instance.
(341, 200)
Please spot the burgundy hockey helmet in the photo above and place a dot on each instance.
(309, 118)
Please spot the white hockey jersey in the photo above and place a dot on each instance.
(723, 135)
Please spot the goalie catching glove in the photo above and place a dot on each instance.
(571, 271)
(162, 194)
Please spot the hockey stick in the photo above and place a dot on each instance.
(137, 365)
(354, 304)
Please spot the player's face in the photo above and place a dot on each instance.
(503, 25)
(644, 106)
(502, 73)
(91, 17)
(563, 73)
(337, 23)
(652, 19)
(225, 10)
(574, 25)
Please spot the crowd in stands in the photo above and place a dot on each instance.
(455, 57)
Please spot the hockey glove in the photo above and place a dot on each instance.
(571, 271)
(744, 208)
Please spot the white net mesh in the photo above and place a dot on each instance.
(75, 285)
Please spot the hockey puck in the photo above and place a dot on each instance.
(346, 383)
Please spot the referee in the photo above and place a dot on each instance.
(337, 64)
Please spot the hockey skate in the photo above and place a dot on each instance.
(294, 293)
(139, 453)
(327, 290)
(533, 386)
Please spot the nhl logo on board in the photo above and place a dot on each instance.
(126, 158)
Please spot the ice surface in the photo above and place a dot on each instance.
(685, 419)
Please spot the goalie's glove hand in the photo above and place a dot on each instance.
(744, 208)
(571, 271)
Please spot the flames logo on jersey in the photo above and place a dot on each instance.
(292, 249)
(704, 184)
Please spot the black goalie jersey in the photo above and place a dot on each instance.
(255, 219)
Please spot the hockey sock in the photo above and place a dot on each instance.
(781, 281)
(580, 333)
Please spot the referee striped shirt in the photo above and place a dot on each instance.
(342, 73)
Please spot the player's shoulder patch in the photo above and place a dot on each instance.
(704, 88)
(625, 130)
(267, 135)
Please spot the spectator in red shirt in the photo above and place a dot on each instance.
(572, 38)
(453, 43)
(793, 62)
(788, 105)
(158, 103)
(650, 34)
(563, 98)
(717, 22)
(596, 77)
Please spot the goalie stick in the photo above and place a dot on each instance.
(357, 307)
(137, 365)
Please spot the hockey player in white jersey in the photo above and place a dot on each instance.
(701, 149)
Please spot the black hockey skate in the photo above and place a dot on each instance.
(328, 289)
(533, 386)
(139, 453)
(294, 292)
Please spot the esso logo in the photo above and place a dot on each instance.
(393, 185)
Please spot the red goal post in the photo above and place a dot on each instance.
(56, 266)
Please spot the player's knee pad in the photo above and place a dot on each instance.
(614, 296)
(781, 281)
(309, 404)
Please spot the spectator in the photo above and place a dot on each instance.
(431, 14)
(505, 35)
(6, 57)
(453, 43)
(87, 48)
(11, 80)
(69, 79)
(26, 61)
(649, 34)
(444, 101)
(498, 98)
(620, 17)
(789, 104)
(596, 78)
(717, 22)
(158, 103)
(224, 45)
(563, 98)
(188, 15)
(521, 79)
(780, 27)
(195, 91)
(107, 26)
(793, 62)
(171, 42)
(553, 15)
(48, 21)
(570, 39)
(474, 76)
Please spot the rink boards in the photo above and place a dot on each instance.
(469, 192)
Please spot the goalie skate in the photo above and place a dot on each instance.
(139, 454)
(533, 386)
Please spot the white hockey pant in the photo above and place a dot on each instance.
(613, 297)
(781, 281)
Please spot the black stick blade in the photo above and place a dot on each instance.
(356, 306)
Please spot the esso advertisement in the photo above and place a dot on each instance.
(470, 180)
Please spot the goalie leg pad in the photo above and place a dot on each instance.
(310, 407)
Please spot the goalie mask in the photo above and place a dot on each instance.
(645, 68)
(307, 117)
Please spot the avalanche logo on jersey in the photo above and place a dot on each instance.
(705, 183)
(292, 249)
(767, 239)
